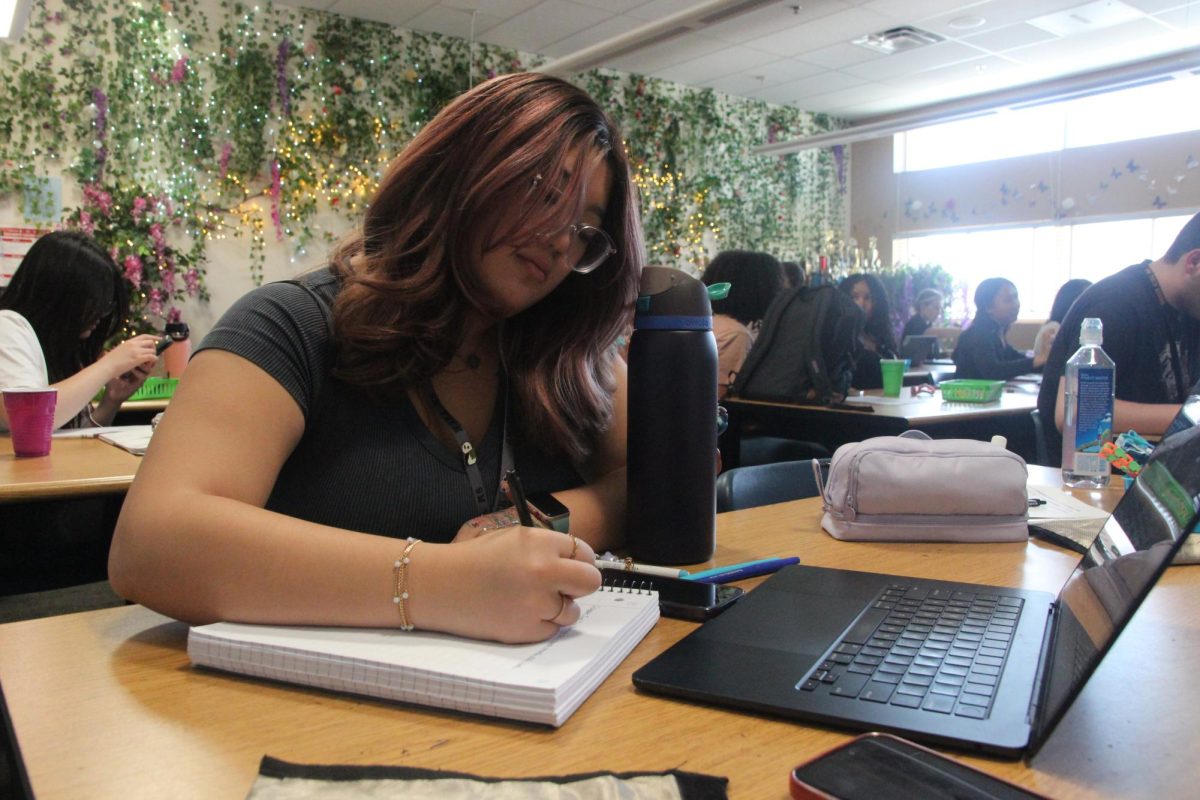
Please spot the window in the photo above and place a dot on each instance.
(1039, 258)
(1154, 109)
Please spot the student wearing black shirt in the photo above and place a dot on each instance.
(1151, 315)
(981, 351)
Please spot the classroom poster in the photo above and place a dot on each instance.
(15, 242)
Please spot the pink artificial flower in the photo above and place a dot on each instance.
(179, 71)
(133, 270)
(191, 280)
(85, 223)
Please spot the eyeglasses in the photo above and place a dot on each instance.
(593, 245)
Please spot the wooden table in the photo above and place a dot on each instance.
(105, 705)
(74, 468)
(851, 422)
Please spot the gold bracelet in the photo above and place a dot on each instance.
(400, 574)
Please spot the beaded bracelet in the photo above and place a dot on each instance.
(400, 573)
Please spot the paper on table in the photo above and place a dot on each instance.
(1060, 505)
(89, 433)
(134, 438)
(876, 400)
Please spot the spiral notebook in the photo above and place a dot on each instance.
(543, 682)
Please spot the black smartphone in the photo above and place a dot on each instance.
(878, 765)
(163, 344)
(677, 597)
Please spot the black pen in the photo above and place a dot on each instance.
(518, 497)
(1034, 502)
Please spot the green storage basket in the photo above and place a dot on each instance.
(971, 391)
(155, 389)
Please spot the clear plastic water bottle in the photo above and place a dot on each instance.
(1088, 409)
(672, 433)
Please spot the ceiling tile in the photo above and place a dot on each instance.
(543, 24)
(996, 14)
(613, 6)
(452, 22)
(787, 69)
(714, 65)
(667, 54)
(1156, 6)
(1184, 19)
(841, 55)
(396, 13)
(1008, 37)
(1118, 44)
(931, 57)
(837, 28)
(817, 84)
(593, 34)
(660, 9)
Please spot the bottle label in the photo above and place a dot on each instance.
(1093, 418)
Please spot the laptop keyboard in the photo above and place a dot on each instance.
(932, 649)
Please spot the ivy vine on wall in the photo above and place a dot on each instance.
(180, 122)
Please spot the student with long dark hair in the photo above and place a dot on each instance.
(755, 279)
(982, 352)
(66, 299)
(337, 439)
(878, 337)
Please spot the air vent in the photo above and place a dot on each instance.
(897, 40)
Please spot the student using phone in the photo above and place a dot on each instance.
(66, 299)
(467, 328)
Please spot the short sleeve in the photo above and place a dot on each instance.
(22, 363)
(283, 328)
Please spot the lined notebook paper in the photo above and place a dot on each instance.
(543, 682)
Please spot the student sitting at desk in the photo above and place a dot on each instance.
(469, 325)
(1151, 316)
(878, 338)
(65, 300)
(982, 351)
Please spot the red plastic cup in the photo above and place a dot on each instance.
(30, 419)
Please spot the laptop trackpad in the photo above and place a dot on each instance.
(802, 613)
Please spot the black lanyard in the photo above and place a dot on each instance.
(470, 456)
(1172, 342)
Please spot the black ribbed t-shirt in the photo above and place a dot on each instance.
(363, 465)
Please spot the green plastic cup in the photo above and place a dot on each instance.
(893, 376)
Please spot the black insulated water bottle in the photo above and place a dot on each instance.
(672, 451)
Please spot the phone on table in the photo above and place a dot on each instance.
(676, 597)
(163, 344)
(878, 765)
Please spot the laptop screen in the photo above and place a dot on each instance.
(1126, 558)
(1189, 414)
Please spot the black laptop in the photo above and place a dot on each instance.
(919, 348)
(958, 664)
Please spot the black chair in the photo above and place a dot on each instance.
(763, 484)
(771, 449)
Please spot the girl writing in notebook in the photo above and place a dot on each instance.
(66, 299)
(334, 453)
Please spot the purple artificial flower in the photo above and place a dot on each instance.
(226, 152)
(281, 79)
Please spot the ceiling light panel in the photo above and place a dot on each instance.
(1086, 18)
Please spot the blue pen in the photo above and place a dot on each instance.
(750, 569)
(708, 573)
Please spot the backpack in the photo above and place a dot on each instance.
(806, 349)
